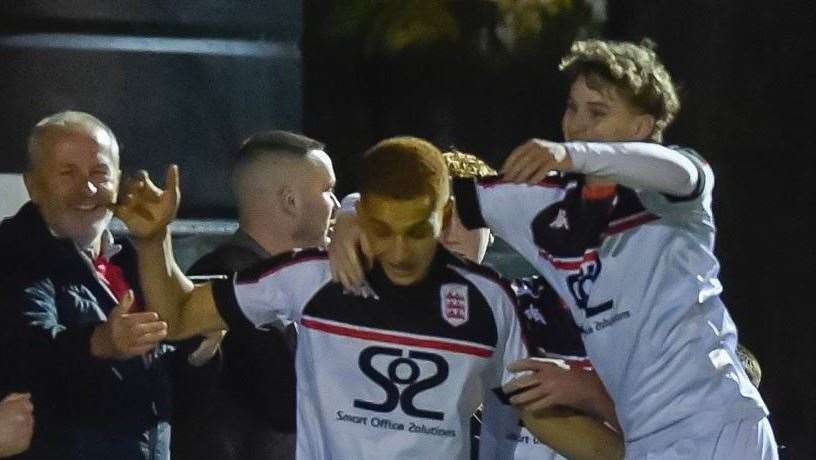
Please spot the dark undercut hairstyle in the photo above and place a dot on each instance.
(277, 141)
(273, 143)
(405, 168)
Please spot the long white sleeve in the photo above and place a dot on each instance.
(637, 165)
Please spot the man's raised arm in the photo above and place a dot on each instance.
(573, 434)
(147, 211)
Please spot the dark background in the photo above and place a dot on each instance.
(186, 81)
(176, 81)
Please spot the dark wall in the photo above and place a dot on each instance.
(178, 82)
(469, 94)
(747, 75)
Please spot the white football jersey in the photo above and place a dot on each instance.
(549, 332)
(397, 376)
(640, 277)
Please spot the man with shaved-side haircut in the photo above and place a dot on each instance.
(284, 182)
(283, 185)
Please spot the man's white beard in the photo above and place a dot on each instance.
(86, 240)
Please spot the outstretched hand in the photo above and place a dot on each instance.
(146, 209)
(548, 383)
(126, 333)
(532, 161)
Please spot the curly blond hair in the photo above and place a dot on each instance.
(750, 363)
(633, 68)
(463, 165)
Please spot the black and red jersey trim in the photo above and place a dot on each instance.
(276, 263)
(629, 222)
(571, 263)
(697, 161)
(554, 181)
(467, 203)
(227, 304)
(489, 274)
(355, 331)
(591, 254)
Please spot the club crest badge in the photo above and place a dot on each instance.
(454, 303)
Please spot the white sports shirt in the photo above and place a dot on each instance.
(549, 332)
(640, 278)
(394, 377)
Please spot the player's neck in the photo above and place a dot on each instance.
(272, 244)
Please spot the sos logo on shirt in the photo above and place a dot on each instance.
(402, 381)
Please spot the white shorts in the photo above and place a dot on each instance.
(741, 440)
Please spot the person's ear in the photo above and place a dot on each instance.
(289, 202)
(32, 185)
(644, 126)
(447, 218)
(447, 213)
(117, 175)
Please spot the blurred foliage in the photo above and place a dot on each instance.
(527, 25)
(475, 74)
(389, 27)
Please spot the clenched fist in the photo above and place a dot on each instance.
(16, 424)
(532, 161)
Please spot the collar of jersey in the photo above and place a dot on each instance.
(381, 284)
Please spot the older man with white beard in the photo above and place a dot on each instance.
(79, 337)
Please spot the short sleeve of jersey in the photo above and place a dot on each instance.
(509, 346)
(277, 288)
(696, 207)
(499, 420)
(514, 348)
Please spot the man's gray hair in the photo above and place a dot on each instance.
(70, 120)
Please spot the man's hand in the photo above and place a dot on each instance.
(548, 385)
(16, 423)
(146, 209)
(206, 349)
(349, 254)
(532, 161)
(126, 335)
